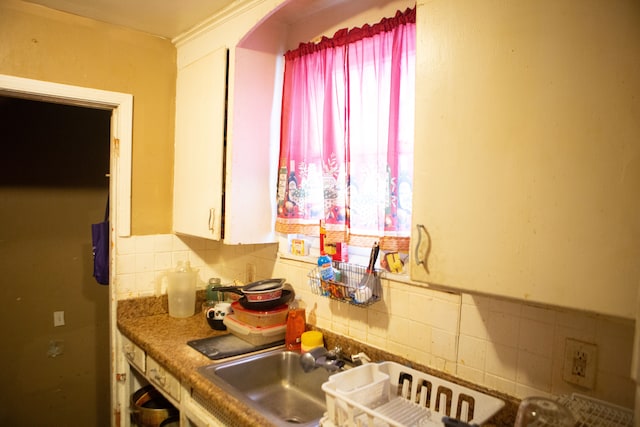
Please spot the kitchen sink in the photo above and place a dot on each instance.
(274, 384)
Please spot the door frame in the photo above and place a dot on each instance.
(121, 105)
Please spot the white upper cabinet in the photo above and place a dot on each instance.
(199, 146)
(226, 159)
(226, 154)
(527, 153)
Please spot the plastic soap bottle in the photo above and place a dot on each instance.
(325, 266)
(296, 325)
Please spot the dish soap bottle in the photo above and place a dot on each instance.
(296, 325)
(325, 266)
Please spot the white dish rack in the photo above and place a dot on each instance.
(390, 394)
(596, 413)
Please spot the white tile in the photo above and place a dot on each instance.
(472, 321)
(126, 245)
(145, 283)
(539, 313)
(505, 306)
(523, 391)
(144, 244)
(536, 337)
(358, 332)
(163, 242)
(162, 261)
(477, 300)
(472, 352)
(615, 346)
(419, 336)
(444, 315)
(534, 371)
(502, 361)
(500, 384)
(399, 330)
(503, 328)
(179, 256)
(126, 285)
(398, 302)
(377, 341)
(418, 307)
(615, 389)
(444, 344)
(145, 262)
(126, 264)
(470, 374)
(398, 349)
(576, 320)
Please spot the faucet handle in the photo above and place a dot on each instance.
(336, 353)
(360, 358)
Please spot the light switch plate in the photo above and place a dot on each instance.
(58, 318)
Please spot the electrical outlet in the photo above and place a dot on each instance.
(580, 360)
(250, 273)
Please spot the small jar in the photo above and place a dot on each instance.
(212, 294)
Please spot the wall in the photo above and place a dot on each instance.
(510, 346)
(52, 188)
(43, 44)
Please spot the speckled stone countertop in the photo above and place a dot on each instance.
(145, 321)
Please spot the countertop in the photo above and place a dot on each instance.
(145, 321)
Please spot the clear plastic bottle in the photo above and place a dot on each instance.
(296, 325)
(181, 290)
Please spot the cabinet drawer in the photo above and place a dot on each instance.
(163, 379)
(134, 354)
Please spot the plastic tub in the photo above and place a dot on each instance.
(260, 318)
(254, 335)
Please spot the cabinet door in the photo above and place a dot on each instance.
(162, 379)
(134, 354)
(252, 152)
(199, 146)
(526, 165)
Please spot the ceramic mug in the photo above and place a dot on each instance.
(209, 310)
(221, 309)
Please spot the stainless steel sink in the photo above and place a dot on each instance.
(275, 385)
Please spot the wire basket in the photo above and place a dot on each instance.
(596, 413)
(355, 286)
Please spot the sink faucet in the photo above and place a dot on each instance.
(321, 357)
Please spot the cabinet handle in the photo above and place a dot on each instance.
(423, 261)
(156, 375)
(212, 219)
(129, 352)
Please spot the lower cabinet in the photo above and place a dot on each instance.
(163, 380)
(141, 370)
(192, 414)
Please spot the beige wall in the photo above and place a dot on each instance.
(43, 44)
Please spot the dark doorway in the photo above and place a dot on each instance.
(53, 185)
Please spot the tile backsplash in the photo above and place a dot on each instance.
(510, 346)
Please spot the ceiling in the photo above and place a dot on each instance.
(165, 18)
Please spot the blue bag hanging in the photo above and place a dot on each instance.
(100, 240)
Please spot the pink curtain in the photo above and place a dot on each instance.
(346, 152)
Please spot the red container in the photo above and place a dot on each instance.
(259, 318)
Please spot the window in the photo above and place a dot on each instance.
(346, 152)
